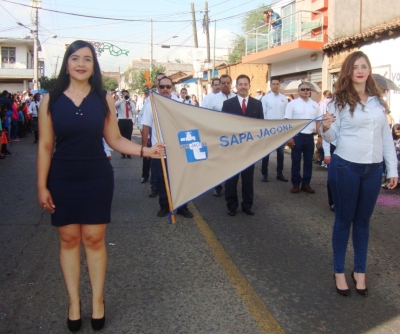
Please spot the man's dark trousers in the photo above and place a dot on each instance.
(126, 128)
(231, 197)
(156, 170)
(279, 158)
(304, 143)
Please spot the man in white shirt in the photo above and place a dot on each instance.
(164, 88)
(126, 109)
(146, 166)
(34, 110)
(303, 142)
(216, 88)
(215, 102)
(274, 105)
(185, 97)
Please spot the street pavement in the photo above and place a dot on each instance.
(267, 273)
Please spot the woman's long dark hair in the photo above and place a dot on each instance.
(95, 80)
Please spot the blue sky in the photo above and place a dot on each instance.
(171, 18)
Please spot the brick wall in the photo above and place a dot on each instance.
(258, 74)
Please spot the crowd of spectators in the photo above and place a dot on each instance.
(16, 119)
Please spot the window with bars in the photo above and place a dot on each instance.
(7, 55)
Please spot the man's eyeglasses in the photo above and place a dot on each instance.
(305, 89)
(165, 86)
(225, 83)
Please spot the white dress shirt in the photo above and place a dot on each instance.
(33, 108)
(121, 109)
(300, 109)
(140, 103)
(243, 98)
(323, 106)
(365, 137)
(217, 100)
(274, 105)
(205, 100)
(147, 119)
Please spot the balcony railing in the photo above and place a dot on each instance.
(298, 26)
(16, 73)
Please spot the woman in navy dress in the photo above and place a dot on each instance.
(75, 178)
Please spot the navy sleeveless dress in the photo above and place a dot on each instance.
(81, 179)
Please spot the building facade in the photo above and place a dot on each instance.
(293, 51)
(16, 73)
(368, 26)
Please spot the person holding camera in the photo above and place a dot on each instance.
(185, 97)
(126, 109)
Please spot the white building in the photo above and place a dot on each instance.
(293, 51)
(16, 73)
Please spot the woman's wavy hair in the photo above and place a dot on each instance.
(95, 80)
(344, 90)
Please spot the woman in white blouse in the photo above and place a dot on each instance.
(356, 119)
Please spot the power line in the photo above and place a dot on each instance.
(96, 17)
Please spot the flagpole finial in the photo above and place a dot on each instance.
(147, 77)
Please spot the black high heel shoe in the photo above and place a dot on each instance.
(98, 324)
(362, 292)
(75, 325)
(344, 293)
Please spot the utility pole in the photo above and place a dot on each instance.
(151, 44)
(206, 26)
(196, 45)
(215, 37)
(55, 70)
(36, 4)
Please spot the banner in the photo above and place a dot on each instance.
(205, 148)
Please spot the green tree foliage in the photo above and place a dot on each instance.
(238, 49)
(109, 83)
(139, 81)
(47, 83)
(251, 20)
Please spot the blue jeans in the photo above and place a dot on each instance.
(158, 175)
(355, 189)
(14, 128)
(303, 144)
(279, 160)
(276, 35)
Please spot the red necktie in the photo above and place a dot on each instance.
(127, 109)
(244, 106)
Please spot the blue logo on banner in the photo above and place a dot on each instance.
(194, 148)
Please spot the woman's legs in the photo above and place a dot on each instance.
(369, 191)
(96, 257)
(70, 260)
(344, 184)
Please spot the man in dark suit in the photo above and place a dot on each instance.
(247, 106)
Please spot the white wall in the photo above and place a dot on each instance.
(300, 64)
(385, 60)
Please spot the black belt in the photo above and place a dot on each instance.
(306, 134)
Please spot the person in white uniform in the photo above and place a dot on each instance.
(303, 143)
(215, 102)
(274, 105)
(216, 88)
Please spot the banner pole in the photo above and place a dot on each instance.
(164, 169)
